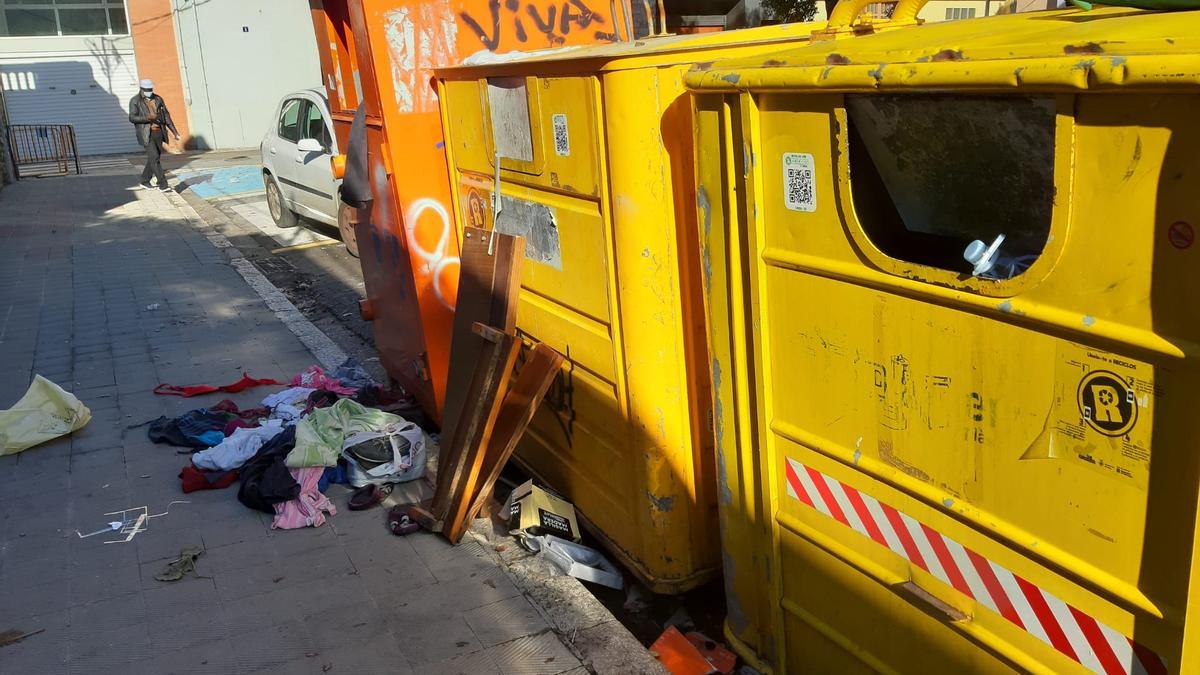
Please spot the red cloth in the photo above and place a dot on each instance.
(195, 479)
(189, 391)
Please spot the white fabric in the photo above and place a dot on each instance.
(146, 84)
(288, 405)
(238, 448)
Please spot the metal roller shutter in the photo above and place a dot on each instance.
(90, 91)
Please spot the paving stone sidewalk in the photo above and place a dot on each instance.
(108, 291)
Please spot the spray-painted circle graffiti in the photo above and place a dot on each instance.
(1107, 403)
(429, 238)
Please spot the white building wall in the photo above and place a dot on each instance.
(238, 58)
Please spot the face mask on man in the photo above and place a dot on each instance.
(148, 93)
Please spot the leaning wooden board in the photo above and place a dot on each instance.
(489, 283)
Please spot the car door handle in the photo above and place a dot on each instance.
(273, 150)
(299, 159)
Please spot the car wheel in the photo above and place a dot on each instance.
(280, 213)
(346, 217)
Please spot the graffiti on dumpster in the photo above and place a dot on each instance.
(427, 225)
(420, 38)
(510, 24)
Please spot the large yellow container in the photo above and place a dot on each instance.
(595, 149)
(934, 471)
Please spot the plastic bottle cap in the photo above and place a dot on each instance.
(982, 256)
(975, 251)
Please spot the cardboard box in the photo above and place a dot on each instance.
(537, 511)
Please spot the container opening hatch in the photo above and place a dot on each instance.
(930, 174)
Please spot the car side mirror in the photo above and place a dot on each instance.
(310, 145)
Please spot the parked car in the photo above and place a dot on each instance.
(296, 171)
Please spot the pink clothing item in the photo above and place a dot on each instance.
(307, 510)
(314, 377)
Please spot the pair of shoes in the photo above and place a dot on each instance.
(146, 186)
(400, 522)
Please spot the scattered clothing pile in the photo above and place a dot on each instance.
(286, 451)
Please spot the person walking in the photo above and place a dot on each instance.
(151, 120)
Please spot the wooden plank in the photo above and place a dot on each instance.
(516, 412)
(488, 283)
(489, 280)
(474, 428)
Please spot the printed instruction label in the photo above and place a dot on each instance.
(799, 189)
(1103, 413)
(562, 140)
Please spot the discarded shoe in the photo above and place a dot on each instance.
(368, 495)
(400, 523)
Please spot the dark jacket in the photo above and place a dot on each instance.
(139, 114)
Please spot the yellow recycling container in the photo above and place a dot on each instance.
(596, 171)
(953, 307)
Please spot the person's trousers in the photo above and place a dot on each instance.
(154, 159)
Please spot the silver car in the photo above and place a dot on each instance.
(296, 155)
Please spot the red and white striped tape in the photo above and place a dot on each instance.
(1081, 637)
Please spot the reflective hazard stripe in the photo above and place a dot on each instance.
(1068, 630)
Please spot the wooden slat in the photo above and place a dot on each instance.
(475, 430)
(487, 294)
(520, 404)
(489, 282)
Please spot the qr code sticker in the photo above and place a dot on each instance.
(799, 182)
(562, 142)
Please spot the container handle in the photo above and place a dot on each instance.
(841, 21)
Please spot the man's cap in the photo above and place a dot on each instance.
(146, 84)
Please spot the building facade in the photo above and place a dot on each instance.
(220, 65)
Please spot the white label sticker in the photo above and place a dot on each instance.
(799, 190)
(562, 141)
(509, 104)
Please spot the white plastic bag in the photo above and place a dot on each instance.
(407, 462)
(45, 412)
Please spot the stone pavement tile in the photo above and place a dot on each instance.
(407, 601)
(505, 621)
(357, 656)
(185, 613)
(21, 601)
(214, 657)
(256, 580)
(93, 554)
(448, 562)
(475, 663)
(100, 649)
(320, 563)
(439, 636)
(384, 553)
(35, 563)
(271, 645)
(90, 585)
(237, 556)
(120, 612)
(231, 529)
(47, 652)
(534, 655)
(332, 627)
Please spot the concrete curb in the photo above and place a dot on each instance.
(582, 623)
